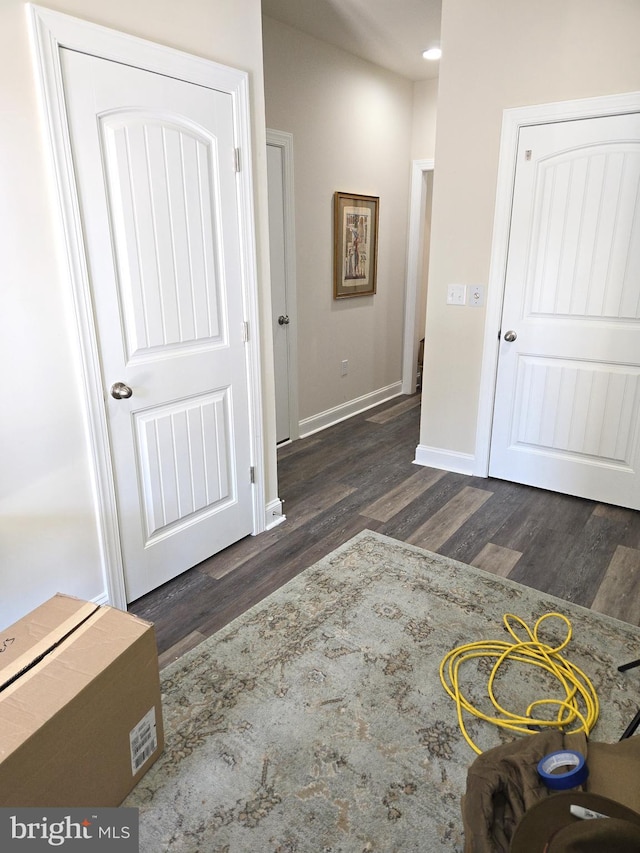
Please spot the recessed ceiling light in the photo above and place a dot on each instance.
(433, 53)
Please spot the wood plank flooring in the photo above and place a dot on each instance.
(360, 474)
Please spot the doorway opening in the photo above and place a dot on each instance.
(55, 33)
(283, 282)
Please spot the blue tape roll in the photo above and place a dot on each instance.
(562, 781)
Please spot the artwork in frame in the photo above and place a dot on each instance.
(355, 229)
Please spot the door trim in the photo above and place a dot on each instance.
(50, 32)
(415, 250)
(512, 121)
(284, 141)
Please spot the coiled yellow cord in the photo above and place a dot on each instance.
(580, 703)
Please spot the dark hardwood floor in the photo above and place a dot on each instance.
(360, 474)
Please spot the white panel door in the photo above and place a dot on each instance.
(567, 410)
(279, 309)
(154, 160)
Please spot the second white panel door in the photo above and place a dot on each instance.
(567, 408)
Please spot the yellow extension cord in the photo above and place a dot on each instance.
(533, 651)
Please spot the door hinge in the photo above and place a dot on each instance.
(252, 473)
(527, 154)
(245, 331)
(236, 159)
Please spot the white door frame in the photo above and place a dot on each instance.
(51, 31)
(284, 141)
(513, 120)
(415, 250)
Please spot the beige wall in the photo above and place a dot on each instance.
(423, 131)
(48, 532)
(498, 55)
(352, 131)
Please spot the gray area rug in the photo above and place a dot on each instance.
(316, 722)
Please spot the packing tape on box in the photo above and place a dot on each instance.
(562, 781)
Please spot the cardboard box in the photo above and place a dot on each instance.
(80, 712)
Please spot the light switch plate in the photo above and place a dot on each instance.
(456, 294)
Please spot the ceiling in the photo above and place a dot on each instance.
(390, 33)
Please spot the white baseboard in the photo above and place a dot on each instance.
(447, 460)
(347, 410)
(273, 514)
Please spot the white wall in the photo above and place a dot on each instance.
(498, 55)
(352, 131)
(423, 130)
(48, 533)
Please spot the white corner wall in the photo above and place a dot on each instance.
(48, 533)
(352, 131)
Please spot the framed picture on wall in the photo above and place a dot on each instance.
(355, 230)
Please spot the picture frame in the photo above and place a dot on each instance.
(355, 253)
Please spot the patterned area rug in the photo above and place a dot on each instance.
(316, 722)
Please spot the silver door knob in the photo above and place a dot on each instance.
(283, 319)
(510, 336)
(120, 391)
